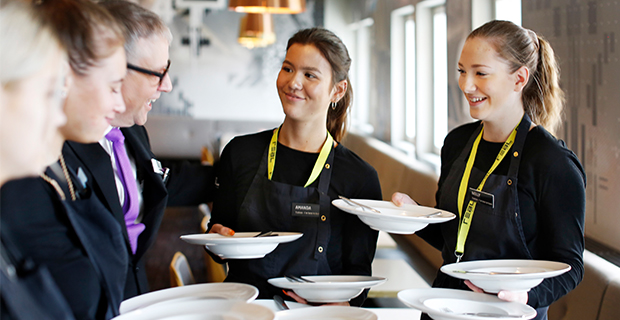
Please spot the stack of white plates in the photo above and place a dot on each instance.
(205, 291)
(200, 310)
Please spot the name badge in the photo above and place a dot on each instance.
(82, 177)
(308, 210)
(482, 197)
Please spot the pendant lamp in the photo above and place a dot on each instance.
(256, 30)
(268, 6)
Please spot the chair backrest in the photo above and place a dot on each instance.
(180, 272)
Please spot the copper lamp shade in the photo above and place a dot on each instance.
(256, 30)
(268, 6)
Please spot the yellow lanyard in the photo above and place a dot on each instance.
(318, 166)
(463, 230)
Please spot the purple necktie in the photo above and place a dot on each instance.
(131, 208)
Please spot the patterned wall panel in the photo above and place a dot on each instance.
(585, 35)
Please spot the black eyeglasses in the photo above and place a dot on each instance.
(149, 72)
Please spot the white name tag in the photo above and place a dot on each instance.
(309, 210)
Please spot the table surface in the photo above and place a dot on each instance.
(400, 276)
(396, 313)
(382, 313)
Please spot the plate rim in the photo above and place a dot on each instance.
(447, 269)
(182, 306)
(446, 293)
(285, 237)
(198, 287)
(319, 285)
(337, 203)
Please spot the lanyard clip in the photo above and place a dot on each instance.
(458, 255)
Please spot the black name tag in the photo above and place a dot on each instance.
(309, 210)
(482, 197)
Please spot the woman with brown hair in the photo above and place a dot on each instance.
(261, 175)
(78, 241)
(519, 191)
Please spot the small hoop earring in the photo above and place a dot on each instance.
(333, 105)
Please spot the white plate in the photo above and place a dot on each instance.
(269, 303)
(522, 275)
(450, 304)
(228, 290)
(406, 219)
(201, 310)
(327, 289)
(243, 245)
(327, 313)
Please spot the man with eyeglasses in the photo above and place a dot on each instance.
(121, 169)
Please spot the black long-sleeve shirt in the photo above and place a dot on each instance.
(551, 193)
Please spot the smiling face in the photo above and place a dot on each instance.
(493, 92)
(305, 85)
(141, 90)
(95, 99)
(30, 114)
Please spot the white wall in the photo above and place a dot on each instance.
(225, 81)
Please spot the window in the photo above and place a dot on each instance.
(402, 78)
(483, 11)
(431, 64)
(360, 75)
(410, 75)
(440, 77)
(508, 10)
(418, 45)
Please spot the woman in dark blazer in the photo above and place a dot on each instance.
(63, 230)
(31, 77)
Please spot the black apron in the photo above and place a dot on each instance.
(267, 207)
(495, 232)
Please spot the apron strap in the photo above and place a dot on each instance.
(522, 131)
(324, 232)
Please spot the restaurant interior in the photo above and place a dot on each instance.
(225, 57)
(406, 99)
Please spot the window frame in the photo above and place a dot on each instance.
(360, 75)
(399, 95)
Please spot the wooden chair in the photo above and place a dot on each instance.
(180, 272)
(215, 272)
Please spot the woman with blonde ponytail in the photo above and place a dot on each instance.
(285, 179)
(532, 205)
(543, 98)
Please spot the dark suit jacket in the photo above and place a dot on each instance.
(96, 165)
(187, 185)
(28, 290)
(75, 240)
